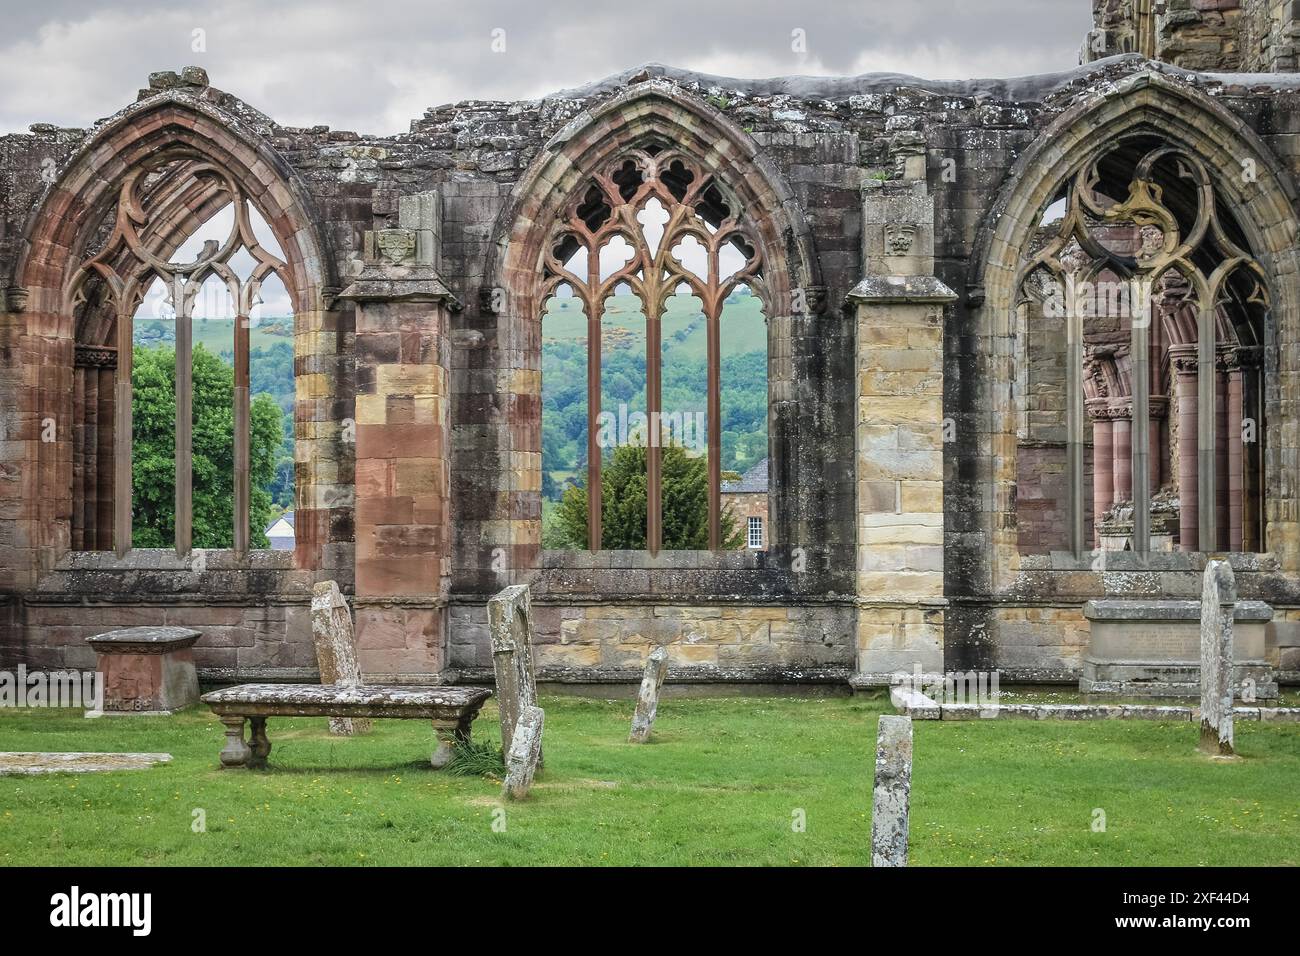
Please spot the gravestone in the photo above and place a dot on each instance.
(510, 620)
(889, 802)
(145, 670)
(336, 650)
(525, 754)
(647, 699)
(1218, 597)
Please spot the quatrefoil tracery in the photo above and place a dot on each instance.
(612, 209)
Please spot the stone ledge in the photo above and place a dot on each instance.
(1159, 610)
(912, 703)
(883, 290)
(691, 674)
(1106, 712)
(144, 640)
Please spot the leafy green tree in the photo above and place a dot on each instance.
(154, 454)
(623, 504)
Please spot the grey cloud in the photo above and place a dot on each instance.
(373, 66)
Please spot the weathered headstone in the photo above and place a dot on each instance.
(510, 620)
(525, 753)
(145, 670)
(1218, 598)
(889, 802)
(336, 650)
(647, 698)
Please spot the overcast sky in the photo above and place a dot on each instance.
(374, 65)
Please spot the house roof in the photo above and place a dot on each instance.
(753, 481)
(287, 518)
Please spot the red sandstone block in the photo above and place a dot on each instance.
(375, 478)
(400, 409)
(398, 441)
(396, 576)
(380, 629)
(429, 509)
(376, 511)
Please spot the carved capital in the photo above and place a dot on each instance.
(96, 356)
(1184, 359)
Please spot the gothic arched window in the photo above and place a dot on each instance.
(652, 268)
(1162, 312)
(181, 206)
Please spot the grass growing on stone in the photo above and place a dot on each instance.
(721, 784)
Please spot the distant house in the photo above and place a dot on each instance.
(280, 532)
(747, 499)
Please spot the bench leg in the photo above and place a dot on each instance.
(236, 752)
(449, 738)
(259, 745)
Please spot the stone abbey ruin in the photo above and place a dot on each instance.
(1033, 357)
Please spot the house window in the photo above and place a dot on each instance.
(652, 294)
(755, 532)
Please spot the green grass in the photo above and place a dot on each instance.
(720, 784)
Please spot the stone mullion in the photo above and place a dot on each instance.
(713, 318)
(654, 398)
(242, 426)
(1074, 422)
(184, 417)
(122, 425)
(595, 312)
(1140, 436)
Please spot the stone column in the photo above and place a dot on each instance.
(1184, 362)
(402, 446)
(1159, 407)
(900, 436)
(1122, 451)
(1103, 480)
(1222, 492)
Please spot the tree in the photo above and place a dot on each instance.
(153, 465)
(623, 504)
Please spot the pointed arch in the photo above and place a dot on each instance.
(654, 111)
(200, 128)
(1248, 176)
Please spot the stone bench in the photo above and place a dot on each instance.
(451, 709)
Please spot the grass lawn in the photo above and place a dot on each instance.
(721, 784)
